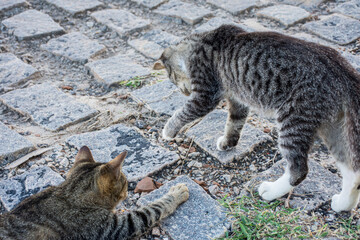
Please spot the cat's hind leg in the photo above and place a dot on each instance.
(234, 124)
(295, 139)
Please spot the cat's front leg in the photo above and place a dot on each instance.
(234, 124)
(200, 104)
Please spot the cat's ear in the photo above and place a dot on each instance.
(166, 54)
(115, 165)
(84, 155)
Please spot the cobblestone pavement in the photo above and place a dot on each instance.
(76, 73)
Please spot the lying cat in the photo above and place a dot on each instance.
(311, 89)
(82, 207)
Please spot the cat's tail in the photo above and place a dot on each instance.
(352, 118)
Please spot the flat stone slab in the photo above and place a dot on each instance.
(143, 157)
(13, 71)
(115, 69)
(148, 48)
(74, 7)
(47, 106)
(150, 3)
(10, 4)
(307, 4)
(153, 43)
(16, 189)
(237, 7)
(318, 187)
(351, 9)
(189, 13)
(216, 22)
(206, 137)
(32, 24)
(163, 97)
(200, 217)
(336, 28)
(74, 46)
(13, 145)
(353, 59)
(285, 14)
(121, 21)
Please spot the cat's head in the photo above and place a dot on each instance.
(175, 60)
(101, 184)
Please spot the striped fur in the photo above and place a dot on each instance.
(82, 207)
(310, 87)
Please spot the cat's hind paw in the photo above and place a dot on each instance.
(341, 204)
(272, 190)
(180, 192)
(166, 136)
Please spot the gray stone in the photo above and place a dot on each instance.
(143, 157)
(353, 59)
(47, 106)
(307, 4)
(318, 187)
(10, 4)
(188, 12)
(16, 189)
(312, 38)
(153, 43)
(206, 137)
(32, 24)
(150, 3)
(163, 98)
(13, 145)
(239, 6)
(351, 9)
(149, 49)
(335, 28)
(162, 38)
(115, 69)
(74, 46)
(121, 21)
(200, 217)
(75, 7)
(285, 14)
(13, 71)
(217, 22)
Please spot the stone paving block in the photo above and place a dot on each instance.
(16, 189)
(307, 4)
(237, 7)
(10, 4)
(74, 7)
(314, 39)
(200, 217)
(13, 145)
(189, 13)
(163, 98)
(150, 3)
(217, 22)
(351, 9)
(115, 69)
(74, 46)
(47, 106)
(206, 137)
(121, 21)
(153, 43)
(143, 157)
(13, 71)
(149, 49)
(336, 28)
(285, 14)
(318, 187)
(32, 24)
(353, 59)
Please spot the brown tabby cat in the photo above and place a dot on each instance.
(310, 88)
(82, 207)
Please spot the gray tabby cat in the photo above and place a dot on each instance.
(82, 207)
(311, 89)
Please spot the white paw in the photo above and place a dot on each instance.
(180, 191)
(340, 203)
(218, 143)
(165, 135)
(272, 190)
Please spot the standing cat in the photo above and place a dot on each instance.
(311, 89)
(82, 206)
